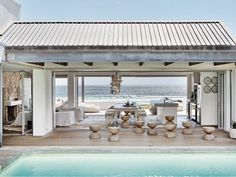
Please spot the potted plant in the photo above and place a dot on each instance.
(232, 131)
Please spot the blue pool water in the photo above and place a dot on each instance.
(117, 165)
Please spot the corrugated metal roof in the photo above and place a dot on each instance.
(169, 35)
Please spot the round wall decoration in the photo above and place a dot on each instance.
(214, 89)
(214, 80)
(207, 89)
(207, 80)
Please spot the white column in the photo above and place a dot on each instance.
(2, 57)
(1, 105)
(49, 102)
(234, 95)
(71, 90)
(189, 85)
(42, 102)
(227, 102)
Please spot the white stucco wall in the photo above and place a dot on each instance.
(42, 102)
(208, 102)
(9, 11)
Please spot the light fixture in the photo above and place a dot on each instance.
(115, 83)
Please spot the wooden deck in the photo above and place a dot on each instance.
(80, 137)
(74, 139)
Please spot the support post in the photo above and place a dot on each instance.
(2, 57)
(71, 90)
(1, 105)
(82, 88)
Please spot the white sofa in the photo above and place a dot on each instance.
(65, 118)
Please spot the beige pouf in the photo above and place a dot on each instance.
(139, 127)
(187, 130)
(94, 132)
(209, 133)
(125, 121)
(114, 134)
(152, 128)
(170, 130)
(109, 117)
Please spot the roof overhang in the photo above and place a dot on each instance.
(120, 55)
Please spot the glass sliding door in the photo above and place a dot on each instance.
(27, 104)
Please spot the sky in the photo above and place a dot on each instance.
(131, 10)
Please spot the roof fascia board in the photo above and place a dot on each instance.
(177, 56)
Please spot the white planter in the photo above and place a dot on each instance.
(232, 133)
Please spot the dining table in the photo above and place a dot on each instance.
(124, 107)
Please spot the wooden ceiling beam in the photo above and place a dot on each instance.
(61, 63)
(221, 63)
(115, 63)
(168, 63)
(194, 63)
(36, 63)
(140, 63)
(89, 63)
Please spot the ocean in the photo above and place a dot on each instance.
(136, 92)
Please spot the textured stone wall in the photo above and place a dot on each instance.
(11, 90)
(12, 85)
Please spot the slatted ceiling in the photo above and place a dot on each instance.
(117, 34)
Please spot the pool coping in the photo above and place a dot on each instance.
(25, 150)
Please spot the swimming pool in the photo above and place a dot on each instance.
(117, 165)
